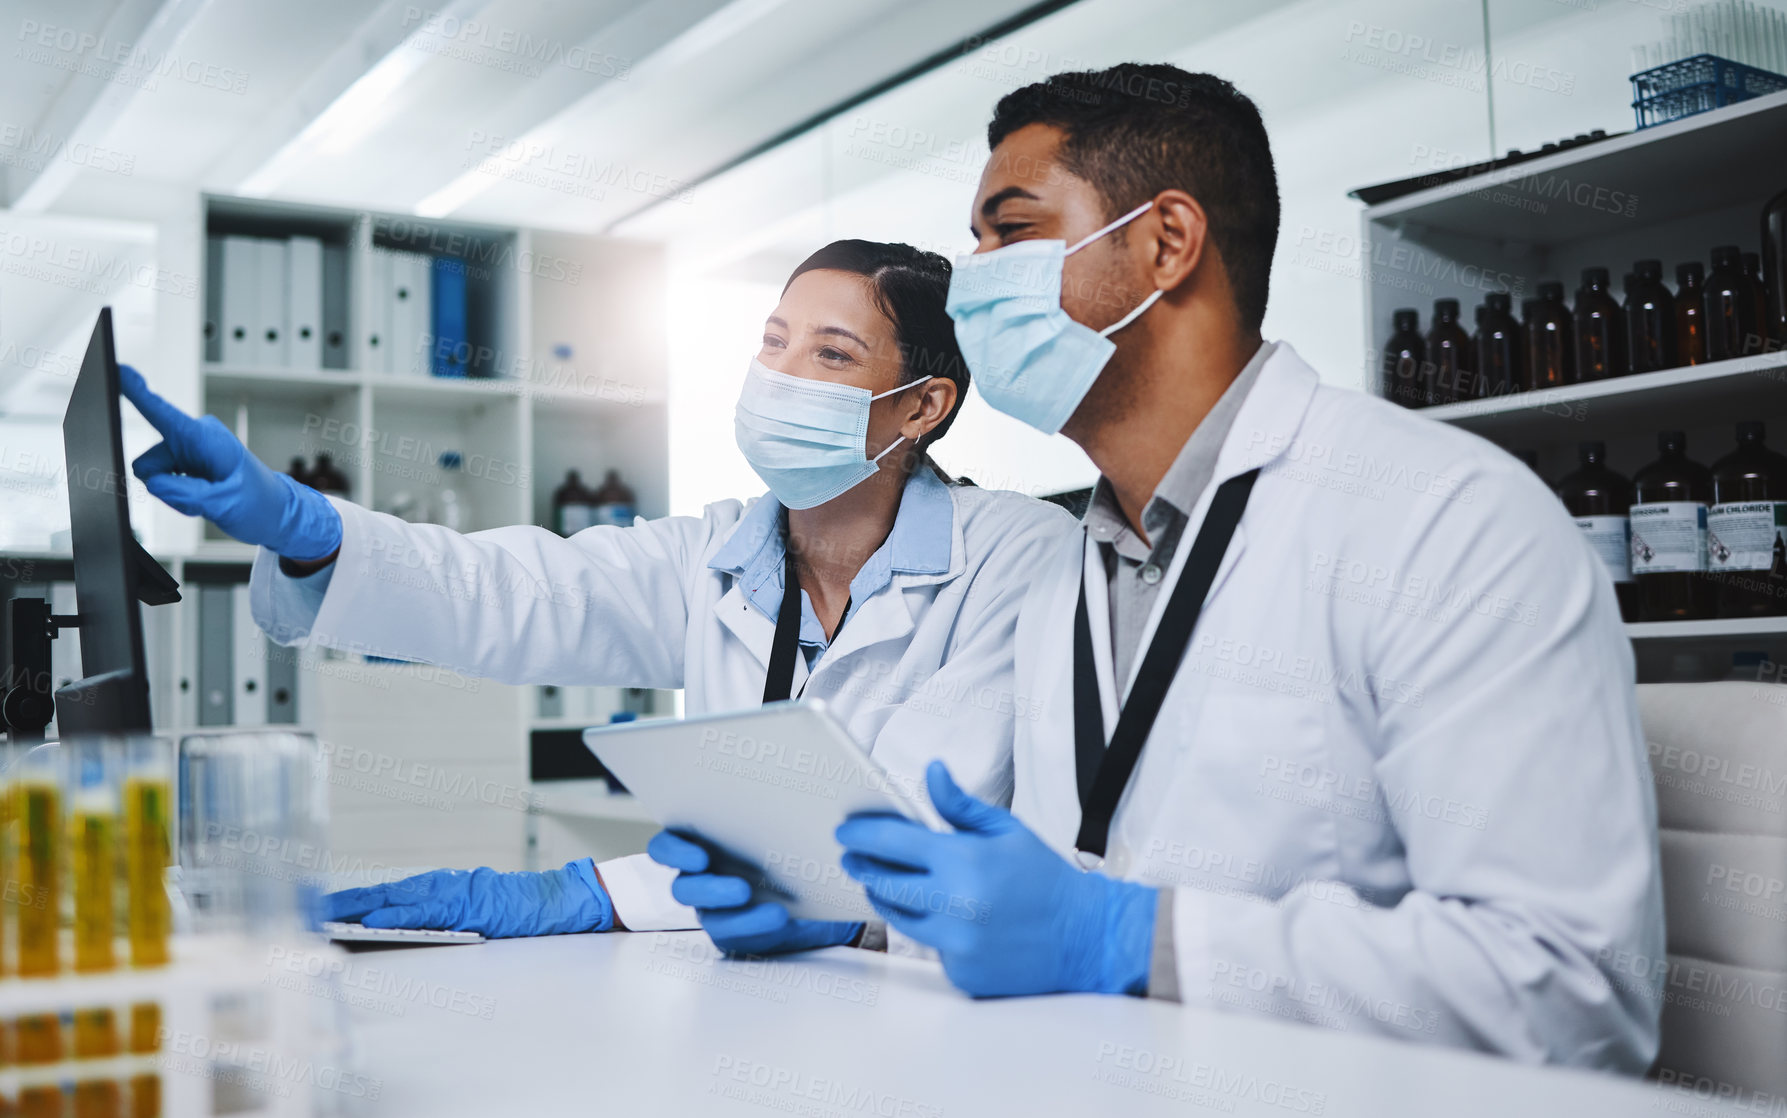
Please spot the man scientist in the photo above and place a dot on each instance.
(1346, 729)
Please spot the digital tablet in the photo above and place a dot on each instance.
(766, 788)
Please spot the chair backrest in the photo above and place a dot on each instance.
(1718, 754)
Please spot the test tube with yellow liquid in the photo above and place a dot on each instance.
(93, 848)
(9, 885)
(37, 1041)
(35, 898)
(8, 1097)
(148, 851)
(145, 1039)
(96, 1038)
(37, 903)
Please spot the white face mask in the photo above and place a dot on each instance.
(807, 439)
(1028, 357)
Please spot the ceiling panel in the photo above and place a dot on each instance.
(503, 68)
(672, 123)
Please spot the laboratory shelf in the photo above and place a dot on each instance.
(566, 723)
(591, 391)
(223, 551)
(1691, 396)
(279, 384)
(588, 800)
(1735, 627)
(399, 388)
(597, 396)
(1704, 162)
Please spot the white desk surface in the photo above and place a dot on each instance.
(654, 1023)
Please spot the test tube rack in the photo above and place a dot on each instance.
(229, 1040)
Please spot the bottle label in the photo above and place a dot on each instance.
(1741, 536)
(616, 514)
(1668, 536)
(1611, 537)
(573, 519)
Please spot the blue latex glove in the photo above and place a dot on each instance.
(1007, 914)
(202, 470)
(724, 906)
(499, 905)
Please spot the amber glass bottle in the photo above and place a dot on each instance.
(1600, 333)
(1746, 528)
(1450, 352)
(1600, 500)
(1650, 319)
(1752, 273)
(1501, 355)
(326, 478)
(1669, 499)
(1550, 350)
(1731, 324)
(1774, 266)
(1404, 356)
(1690, 313)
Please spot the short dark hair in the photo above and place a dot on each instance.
(1137, 129)
(911, 287)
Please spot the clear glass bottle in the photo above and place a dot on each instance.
(449, 502)
(1601, 500)
(1669, 503)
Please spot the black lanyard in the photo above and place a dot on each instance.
(779, 684)
(1103, 773)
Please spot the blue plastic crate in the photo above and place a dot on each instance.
(1694, 85)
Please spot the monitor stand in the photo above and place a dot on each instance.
(27, 698)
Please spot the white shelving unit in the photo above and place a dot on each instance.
(1669, 192)
(571, 331)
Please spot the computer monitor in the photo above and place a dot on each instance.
(112, 572)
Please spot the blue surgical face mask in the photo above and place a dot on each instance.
(1029, 359)
(807, 439)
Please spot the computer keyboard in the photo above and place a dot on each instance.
(359, 933)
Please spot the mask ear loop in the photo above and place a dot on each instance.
(1122, 221)
(890, 392)
(902, 387)
(1146, 303)
(1132, 315)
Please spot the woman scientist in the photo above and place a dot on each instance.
(909, 584)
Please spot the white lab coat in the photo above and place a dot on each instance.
(921, 670)
(1398, 784)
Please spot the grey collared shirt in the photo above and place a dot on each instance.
(1135, 572)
